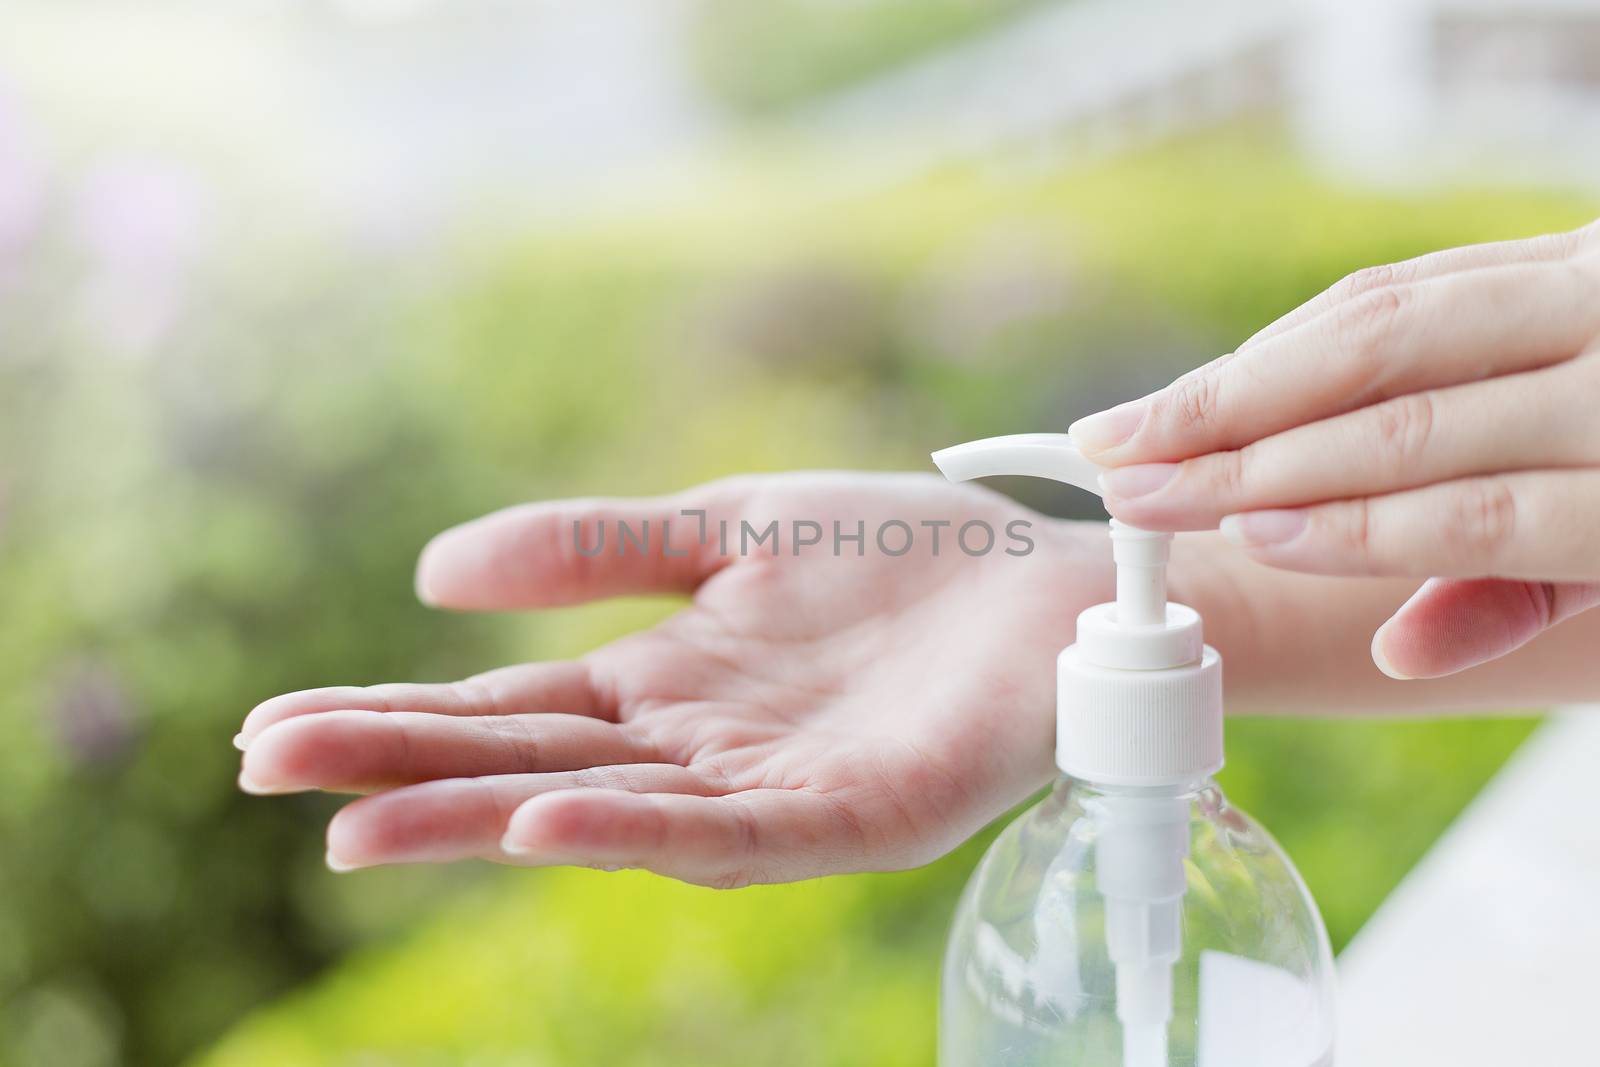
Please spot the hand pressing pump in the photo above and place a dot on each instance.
(1132, 917)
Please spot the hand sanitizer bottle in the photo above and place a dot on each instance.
(1133, 917)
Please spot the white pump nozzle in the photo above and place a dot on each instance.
(1140, 554)
(1041, 455)
(1138, 704)
(1139, 698)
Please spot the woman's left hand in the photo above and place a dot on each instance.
(1438, 418)
(805, 713)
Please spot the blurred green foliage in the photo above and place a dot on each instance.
(236, 514)
(767, 57)
(770, 333)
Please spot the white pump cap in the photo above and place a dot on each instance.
(1139, 695)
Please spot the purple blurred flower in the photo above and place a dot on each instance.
(142, 223)
(21, 184)
(93, 716)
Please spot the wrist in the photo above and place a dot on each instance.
(1225, 587)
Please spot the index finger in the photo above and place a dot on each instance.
(1422, 335)
(1542, 249)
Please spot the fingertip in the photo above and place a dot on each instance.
(354, 838)
(1105, 431)
(286, 706)
(1449, 625)
(439, 567)
(544, 823)
(420, 581)
(248, 783)
(434, 822)
(338, 865)
(299, 754)
(558, 826)
(268, 756)
(257, 719)
(1380, 656)
(488, 563)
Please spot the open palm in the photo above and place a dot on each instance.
(804, 714)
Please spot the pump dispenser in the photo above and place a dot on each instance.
(1132, 917)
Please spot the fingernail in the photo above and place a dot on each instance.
(241, 742)
(518, 839)
(419, 583)
(1380, 658)
(1107, 429)
(1256, 529)
(339, 866)
(255, 788)
(516, 842)
(543, 857)
(1128, 483)
(519, 849)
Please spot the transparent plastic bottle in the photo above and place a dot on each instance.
(1132, 919)
(1029, 979)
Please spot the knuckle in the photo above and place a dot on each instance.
(1556, 246)
(1351, 529)
(1544, 600)
(1405, 425)
(1368, 279)
(1482, 520)
(1362, 528)
(742, 870)
(731, 878)
(603, 683)
(376, 697)
(1227, 474)
(1580, 282)
(1369, 321)
(598, 778)
(1541, 248)
(747, 829)
(1193, 405)
(642, 741)
(849, 822)
(1584, 238)
(475, 696)
(514, 732)
(1362, 335)
(502, 803)
(716, 776)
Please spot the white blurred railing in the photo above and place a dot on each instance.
(1489, 952)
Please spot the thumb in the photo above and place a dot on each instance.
(1451, 624)
(562, 552)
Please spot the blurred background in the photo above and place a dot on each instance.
(288, 285)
